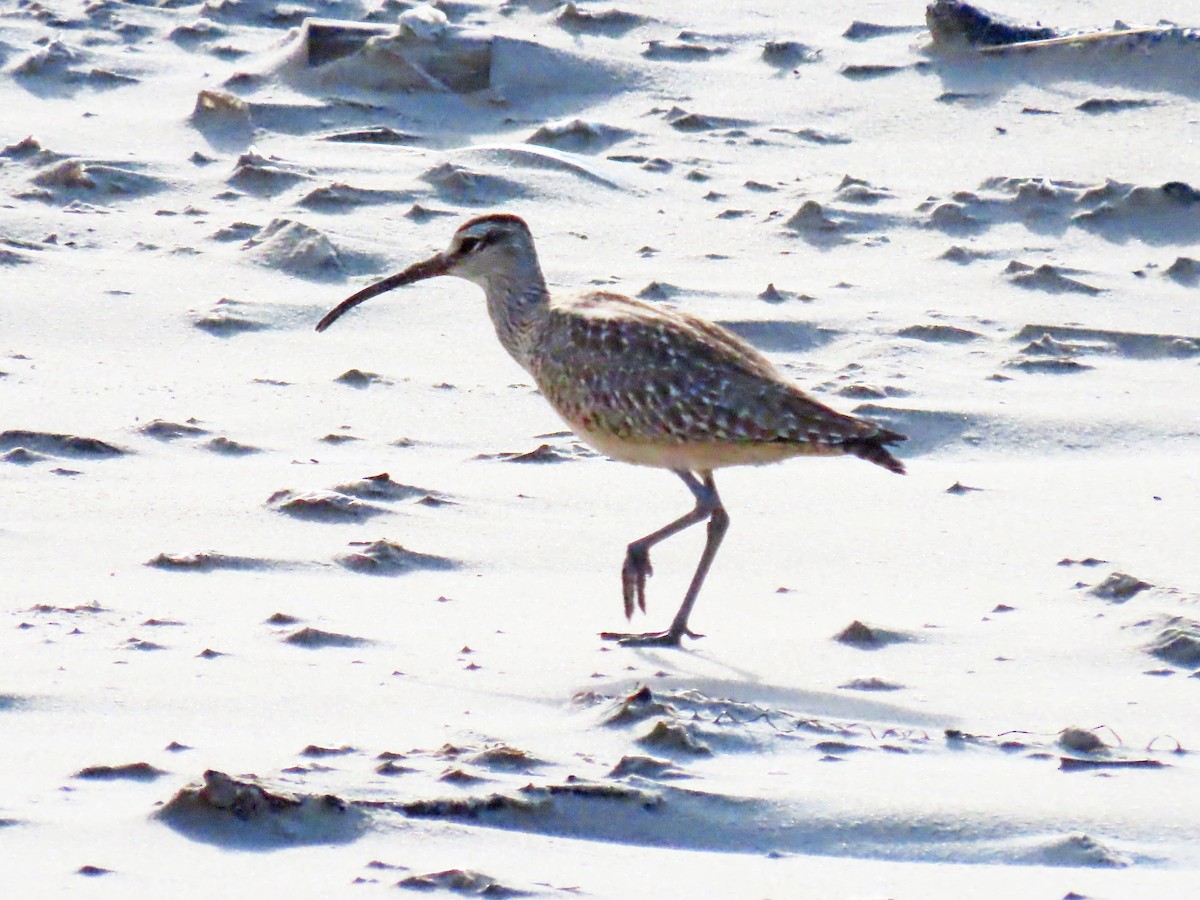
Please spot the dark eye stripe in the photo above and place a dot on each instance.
(474, 242)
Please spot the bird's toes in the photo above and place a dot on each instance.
(635, 592)
(670, 638)
(654, 639)
(634, 573)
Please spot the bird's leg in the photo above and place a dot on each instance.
(637, 563)
(637, 566)
(718, 524)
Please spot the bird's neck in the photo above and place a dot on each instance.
(519, 305)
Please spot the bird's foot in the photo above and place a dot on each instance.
(634, 573)
(673, 637)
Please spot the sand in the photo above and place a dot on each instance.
(318, 615)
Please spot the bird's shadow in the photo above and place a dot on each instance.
(745, 686)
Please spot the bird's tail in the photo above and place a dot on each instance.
(873, 448)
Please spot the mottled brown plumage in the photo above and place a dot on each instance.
(644, 384)
(653, 383)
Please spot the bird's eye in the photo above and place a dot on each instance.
(469, 244)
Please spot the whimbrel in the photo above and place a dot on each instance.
(643, 384)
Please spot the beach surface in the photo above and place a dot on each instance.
(318, 615)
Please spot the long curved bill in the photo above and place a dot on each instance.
(429, 268)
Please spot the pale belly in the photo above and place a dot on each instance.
(697, 457)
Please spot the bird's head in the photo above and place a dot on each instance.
(483, 250)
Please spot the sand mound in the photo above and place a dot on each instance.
(1164, 215)
(579, 136)
(243, 813)
(297, 249)
(139, 771)
(1076, 850)
(439, 58)
(319, 639)
(227, 318)
(1178, 643)
(68, 445)
(208, 561)
(380, 487)
(92, 180)
(387, 558)
(169, 431)
(465, 882)
(323, 506)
